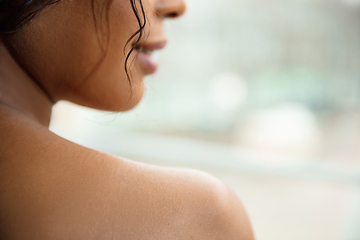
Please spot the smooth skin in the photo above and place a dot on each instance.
(51, 188)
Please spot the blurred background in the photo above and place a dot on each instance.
(263, 94)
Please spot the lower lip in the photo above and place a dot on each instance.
(148, 64)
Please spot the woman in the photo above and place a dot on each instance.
(94, 53)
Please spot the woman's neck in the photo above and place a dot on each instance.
(20, 92)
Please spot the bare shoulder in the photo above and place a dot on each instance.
(190, 204)
(215, 210)
(51, 188)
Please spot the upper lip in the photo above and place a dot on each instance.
(151, 46)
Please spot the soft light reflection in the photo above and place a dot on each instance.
(228, 91)
(288, 128)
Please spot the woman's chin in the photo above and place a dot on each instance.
(123, 104)
(115, 101)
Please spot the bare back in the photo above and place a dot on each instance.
(51, 188)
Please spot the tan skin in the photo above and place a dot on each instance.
(51, 188)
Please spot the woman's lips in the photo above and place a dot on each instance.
(147, 62)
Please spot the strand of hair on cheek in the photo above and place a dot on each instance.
(139, 33)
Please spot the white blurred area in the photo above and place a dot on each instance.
(228, 91)
(285, 129)
(263, 94)
(353, 3)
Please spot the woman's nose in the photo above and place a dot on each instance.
(170, 8)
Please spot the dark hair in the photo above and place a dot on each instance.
(15, 14)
